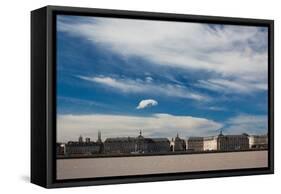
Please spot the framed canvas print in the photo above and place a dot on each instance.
(126, 96)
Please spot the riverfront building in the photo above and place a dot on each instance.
(82, 147)
(221, 142)
(232, 142)
(195, 144)
(258, 141)
(138, 144)
(60, 148)
(178, 144)
(210, 143)
(143, 145)
(120, 145)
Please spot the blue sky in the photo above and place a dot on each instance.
(121, 75)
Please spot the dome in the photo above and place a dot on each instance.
(177, 137)
(220, 135)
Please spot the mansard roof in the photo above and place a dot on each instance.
(160, 139)
(119, 139)
(195, 138)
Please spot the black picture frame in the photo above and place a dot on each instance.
(43, 92)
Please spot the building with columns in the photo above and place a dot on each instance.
(232, 142)
(210, 143)
(195, 144)
(223, 142)
(258, 141)
(138, 144)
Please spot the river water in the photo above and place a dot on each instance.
(120, 166)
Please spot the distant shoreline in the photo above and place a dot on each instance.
(151, 154)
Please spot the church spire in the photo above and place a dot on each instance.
(99, 136)
(80, 139)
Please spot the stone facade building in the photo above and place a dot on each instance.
(222, 142)
(159, 145)
(138, 144)
(210, 143)
(258, 141)
(195, 144)
(232, 142)
(120, 145)
(82, 147)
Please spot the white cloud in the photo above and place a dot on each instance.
(130, 86)
(147, 103)
(149, 79)
(238, 52)
(81, 101)
(149, 87)
(217, 108)
(69, 127)
(232, 86)
(252, 124)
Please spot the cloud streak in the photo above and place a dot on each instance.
(146, 86)
(238, 52)
(232, 86)
(252, 124)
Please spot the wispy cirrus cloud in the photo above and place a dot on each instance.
(71, 126)
(232, 86)
(79, 101)
(178, 62)
(217, 108)
(146, 86)
(231, 52)
(246, 123)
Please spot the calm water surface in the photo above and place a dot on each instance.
(119, 166)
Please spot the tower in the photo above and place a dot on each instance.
(140, 143)
(179, 144)
(88, 140)
(80, 139)
(99, 137)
